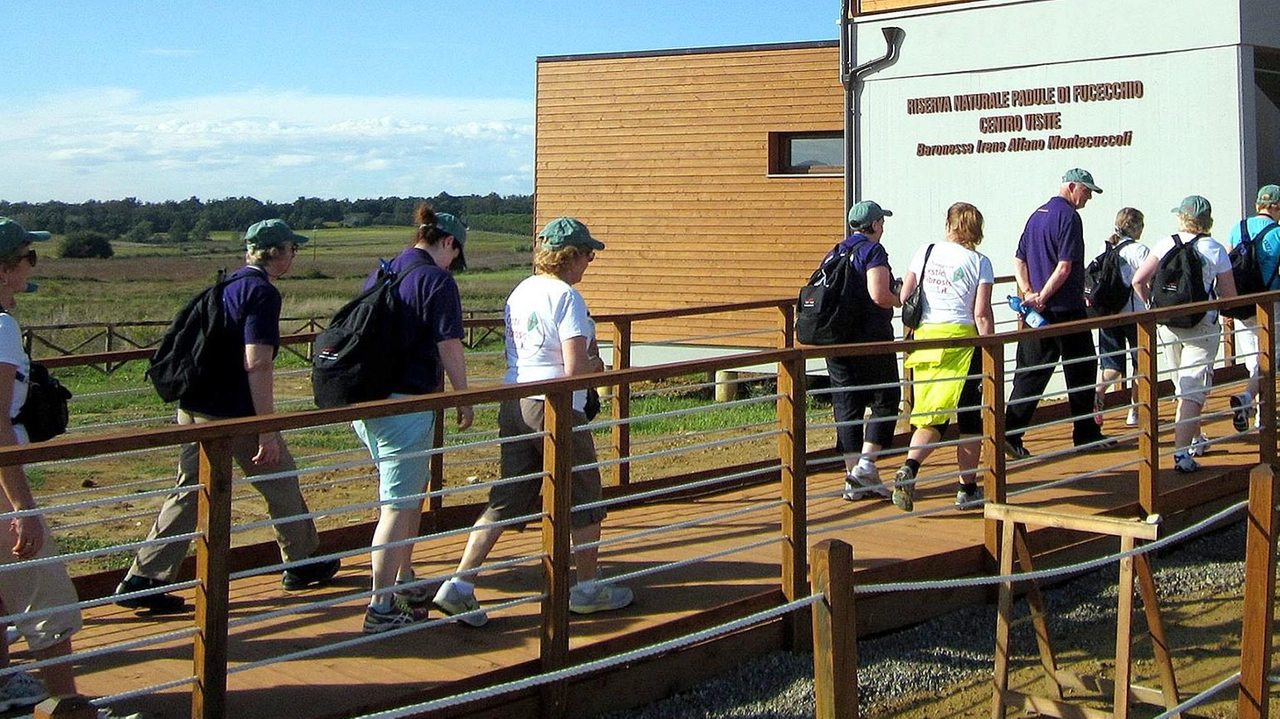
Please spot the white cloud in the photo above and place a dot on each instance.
(112, 142)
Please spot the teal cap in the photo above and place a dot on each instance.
(1269, 195)
(270, 233)
(1193, 206)
(866, 212)
(12, 236)
(568, 232)
(1082, 177)
(451, 225)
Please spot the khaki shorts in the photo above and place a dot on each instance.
(524, 456)
(44, 586)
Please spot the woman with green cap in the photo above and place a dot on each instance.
(549, 334)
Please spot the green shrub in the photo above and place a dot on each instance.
(88, 243)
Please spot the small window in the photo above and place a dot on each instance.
(806, 153)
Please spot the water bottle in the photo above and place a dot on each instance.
(1032, 318)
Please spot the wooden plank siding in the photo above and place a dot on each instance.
(864, 7)
(666, 158)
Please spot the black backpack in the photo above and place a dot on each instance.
(1105, 292)
(197, 348)
(1179, 280)
(823, 316)
(44, 413)
(357, 358)
(1247, 270)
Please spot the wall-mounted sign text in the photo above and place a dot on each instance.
(1028, 110)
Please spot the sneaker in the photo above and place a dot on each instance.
(158, 603)
(1184, 463)
(401, 614)
(1095, 442)
(418, 595)
(967, 500)
(904, 489)
(22, 691)
(1131, 419)
(606, 597)
(1014, 449)
(1199, 446)
(1240, 412)
(454, 602)
(315, 574)
(864, 483)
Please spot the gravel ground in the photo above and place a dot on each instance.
(935, 657)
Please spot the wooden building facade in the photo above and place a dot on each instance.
(678, 161)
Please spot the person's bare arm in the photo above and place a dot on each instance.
(983, 316)
(879, 286)
(259, 362)
(455, 368)
(28, 531)
(1051, 285)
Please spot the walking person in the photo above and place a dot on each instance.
(957, 282)
(1049, 268)
(27, 537)
(1192, 350)
(245, 389)
(868, 381)
(1264, 231)
(1114, 343)
(549, 334)
(429, 328)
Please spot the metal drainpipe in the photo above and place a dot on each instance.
(851, 78)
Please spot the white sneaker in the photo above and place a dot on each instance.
(1131, 419)
(606, 597)
(453, 602)
(22, 691)
(1185, 464)
(869, 480)
(1199, 446)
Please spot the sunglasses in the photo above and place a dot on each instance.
(31, 257)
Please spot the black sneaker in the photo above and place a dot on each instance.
(315, 574)
(1015, 450)
(158, 603)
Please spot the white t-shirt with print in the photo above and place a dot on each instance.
(542, 312)
(11, 353)
(951, 281)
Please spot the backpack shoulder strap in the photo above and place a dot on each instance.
(1261, 233)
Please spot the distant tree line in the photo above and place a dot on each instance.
(193, 219)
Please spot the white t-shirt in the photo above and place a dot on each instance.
(542, 312)
(11, 353)
(1216, 261)
(1132, 254)
(951, 281)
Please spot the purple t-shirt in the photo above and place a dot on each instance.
(1055, 233)
(876, 322)
(432, 313)
(252, 304)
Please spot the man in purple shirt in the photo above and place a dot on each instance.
(1049, 268)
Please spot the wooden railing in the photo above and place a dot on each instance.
(214, 439)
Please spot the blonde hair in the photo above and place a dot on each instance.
(262, 255)
(553, 262)
(1129, 223)
(1195, 225)
(965, 223)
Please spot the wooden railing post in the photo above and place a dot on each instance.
(1259, 594)
(835, 632)
(786, 325)
(994, 477)
(792, 456)
(1147, 377)
(557, 506)
(209, 693)
(621, 432)
(1266, 398)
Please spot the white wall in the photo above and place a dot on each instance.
(1186, 126)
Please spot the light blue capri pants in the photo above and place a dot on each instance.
(388, 438)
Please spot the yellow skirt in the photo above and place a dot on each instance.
(938, 374)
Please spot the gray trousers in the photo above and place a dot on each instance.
(298, 540)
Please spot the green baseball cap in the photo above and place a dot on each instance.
(451, 225)
(567, 232)
(1269, 195)
(866, 212)
(270, 233)
(1193, 206)
(12, 236)
(1082, 177)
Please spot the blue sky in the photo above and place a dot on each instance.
(280, 99)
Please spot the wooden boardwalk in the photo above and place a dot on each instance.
(445, 659)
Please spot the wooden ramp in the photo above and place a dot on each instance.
(444, 660)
